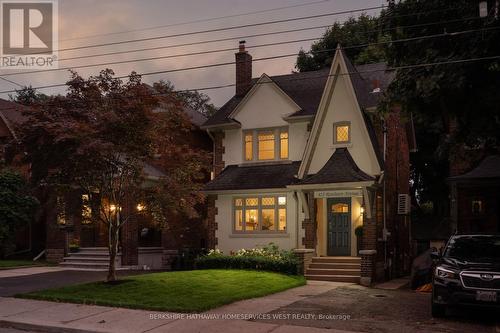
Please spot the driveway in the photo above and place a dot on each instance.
(355, 308)
(23, 280)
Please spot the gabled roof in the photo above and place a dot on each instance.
(488, 168)
(306, 89)
(340, 168)
(238, 177)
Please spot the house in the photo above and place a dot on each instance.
(474, 200)
(301, 160)
(68, 216)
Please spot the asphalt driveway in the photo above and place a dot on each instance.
(10, 286)
(355, 308)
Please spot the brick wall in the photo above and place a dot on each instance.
(219, 150)
(211, 222)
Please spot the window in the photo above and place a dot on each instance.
(61, 210)
(340, 208)
(284, 145)
(477, 207)
(248, 147)
(265, 145)
(86, 209)
(260, 214)
(342, 132)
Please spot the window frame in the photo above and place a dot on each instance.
(276, 207)
(349, 132)
(277, 131)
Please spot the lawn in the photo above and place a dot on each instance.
(183, 291)
(16, 263)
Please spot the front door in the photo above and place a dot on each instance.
(339, 226)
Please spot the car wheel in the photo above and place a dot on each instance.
(438, 310)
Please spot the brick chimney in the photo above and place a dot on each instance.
(243, 70)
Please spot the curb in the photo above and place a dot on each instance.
(41, 328)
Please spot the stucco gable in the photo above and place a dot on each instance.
(340, 103)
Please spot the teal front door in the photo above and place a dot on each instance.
(339, 226)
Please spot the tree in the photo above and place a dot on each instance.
(465, 94)
(99, 137)
(27, 96)
(17, 207)
(355, 31)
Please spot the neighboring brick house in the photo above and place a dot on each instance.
(68, 217)
(301, 160)
(474, 199)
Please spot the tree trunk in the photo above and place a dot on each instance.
(113, 249)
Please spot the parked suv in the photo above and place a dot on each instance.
(467, 273)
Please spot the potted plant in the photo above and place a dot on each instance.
(74, 246)
(358, 231)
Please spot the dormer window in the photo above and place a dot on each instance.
(266, 144)
(342, 132)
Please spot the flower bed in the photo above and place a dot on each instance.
(269, 258)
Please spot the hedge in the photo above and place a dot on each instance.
(280, 265)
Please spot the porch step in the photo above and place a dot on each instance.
(319, 271)
(329, 265)
(90, 258)
(333, 278)
(337, 260)
(336, 269)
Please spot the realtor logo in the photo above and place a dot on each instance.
(29, 34)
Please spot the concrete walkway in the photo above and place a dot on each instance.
(14, 272)
(237, 317)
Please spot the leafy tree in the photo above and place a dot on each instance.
(17, 207)
(355, 31)
(99, 137)
(27, 96)
(465, 94)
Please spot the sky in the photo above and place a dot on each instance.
(112, 20)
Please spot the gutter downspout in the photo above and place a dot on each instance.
(295, 195)
(212, 174)
(384, 231)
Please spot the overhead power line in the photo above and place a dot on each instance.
(403, 67)
(198, 21)
(243, 26)
(446, 34)
(260, 35)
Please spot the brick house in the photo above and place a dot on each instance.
(301, 160)
(68, 217)
(474, 200)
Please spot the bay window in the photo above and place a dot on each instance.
(260, 214)
(265, 145)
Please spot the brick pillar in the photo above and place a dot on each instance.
(130, 237)
(309, 225)
(211, 222)
(305, 258)
(56, 240)
(367, 266)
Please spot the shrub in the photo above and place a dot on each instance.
(268, 258)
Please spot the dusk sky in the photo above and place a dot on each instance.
(87, 18)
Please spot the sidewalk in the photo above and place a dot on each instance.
(74, 318)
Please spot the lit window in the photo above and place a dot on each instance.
(342, 133)
(266, 214)
(340, 208)
(284, 145)
(86, 209)
(477, 206)
(266, 146)
(248, 147)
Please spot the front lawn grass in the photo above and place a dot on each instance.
(183, 291)
(16, 263)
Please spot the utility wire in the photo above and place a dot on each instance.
(445, 34)
(12, 82)
(260, 35)
(242, 26)
(198, 21)
(403, 67)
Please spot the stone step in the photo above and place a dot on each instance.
(333, 278)
(89, 259)
(338, 260)
(329, 265)
(90, 254)
(86, 265)
(352, 272)
(96, 249)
